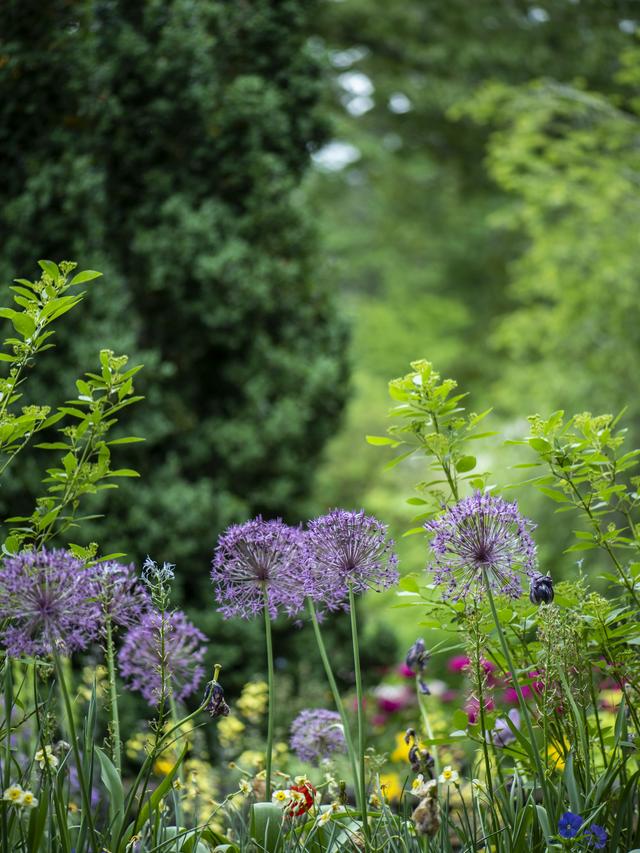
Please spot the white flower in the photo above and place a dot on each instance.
(28, 800)
(45, 756)
(245, 788)
(448, 775)
(325, 817)
(281, 797)
(13, 794)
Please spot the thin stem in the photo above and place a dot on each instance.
(359, 700)
(427, 726)
(271, 678)
(523, 706)
(336, 698)
(113, 699)
(86, 799)
(8, 707)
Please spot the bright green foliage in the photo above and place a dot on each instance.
(165, 144)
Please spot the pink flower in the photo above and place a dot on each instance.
(404, 670)
(458, 663)
(473, 708)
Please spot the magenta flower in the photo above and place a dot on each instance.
(348, 550)
(49, 601)
(255, 559)
(141, 659)
(481, 540)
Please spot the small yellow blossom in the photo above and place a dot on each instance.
(28, 800)
(390, 786)
(448, 775)
(163, 765)
(13, 794)
(281, 797)
(401, 752)
(245, 787)
(556, 755)
(253, 701)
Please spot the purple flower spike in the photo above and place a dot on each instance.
(348, 549)
(140, 657)
(255, 557)
(49, 599)
(479, 539)
(122, 597)
(316, 735)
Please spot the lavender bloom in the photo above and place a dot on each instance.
(49, 599)
(140, 657)
(316, 735)
(503, 735)
(255, 558)
(348, 550)
(122, 596)
(481, 539)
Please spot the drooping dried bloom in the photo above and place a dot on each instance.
(348, 550)
(316, 735)
(257, 558)
(481, 539)
(141, 658)
(123, 598)
(214, 697)
(426, 815)
(541, 589)
(49, 599)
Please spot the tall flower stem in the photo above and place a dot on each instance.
(359, 699)
(427, 726)
(270, 681)
(86, 799)
(336, 698)
(523, 706)
(113, 698)
(6, 780)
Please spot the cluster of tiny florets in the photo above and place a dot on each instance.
(316, 735)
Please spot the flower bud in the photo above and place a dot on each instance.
(541, 589)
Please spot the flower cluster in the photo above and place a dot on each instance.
(163, 644)
(49, 600)
(482, 540)
(571, 825)
(297, 799)
(316, 735)
(16, 796)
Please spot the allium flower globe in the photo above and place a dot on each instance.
(123, 598)
(255, 559)
(140, 657)
(49, 601)
(481, 539)
(348, 550)
(316, 735)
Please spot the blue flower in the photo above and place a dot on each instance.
(596, 836)
(569, 825)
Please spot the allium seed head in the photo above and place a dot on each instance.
(348, 550)
(481, 539)
(141, 658)
(255, 558)
(316, 735)
(49, 600)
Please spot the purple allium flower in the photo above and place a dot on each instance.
(596, 837)
(49, 599)
(122, 596)
(481, 538)
(348, 549)
(257, 557)
(140, 657)
(569, 825)
(316, 735)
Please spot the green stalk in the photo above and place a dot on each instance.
(113, 700)
(336, 698)
(8, 707)
(359, 698)
(86, 799)
(523, 707)
(267, 630)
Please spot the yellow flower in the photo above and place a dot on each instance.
(13, 794)
(401, 752)
(448, 775)
(163, 765)
(253, 701)
(245, 787)
(281, 797)
(556, 754)
(251, 758)
(28, 800)
(390, 786)
(229, 731)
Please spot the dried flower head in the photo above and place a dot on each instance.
(257, 559)
(541, 589)
(481, 539)
(348, 550)
(142, 660)
(49, 600)
(122, 597)
(316, 735)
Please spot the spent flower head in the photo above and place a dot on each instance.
(49, 601)
(255, 563)
(347, 550)
(316, 735)
(163, 644)
(481, 540)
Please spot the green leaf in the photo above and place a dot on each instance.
(123, 472)
(112, 782)
(465, 463)
(380, 440)
(85, 275)
(151, 805)
(266, 827)
(50, 268)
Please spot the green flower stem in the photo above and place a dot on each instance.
(523, 707)
(86, 799)
(359, 699)
(113, 699)
(8, 706)
(336, 698)
(427, 726)
(269, 756)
